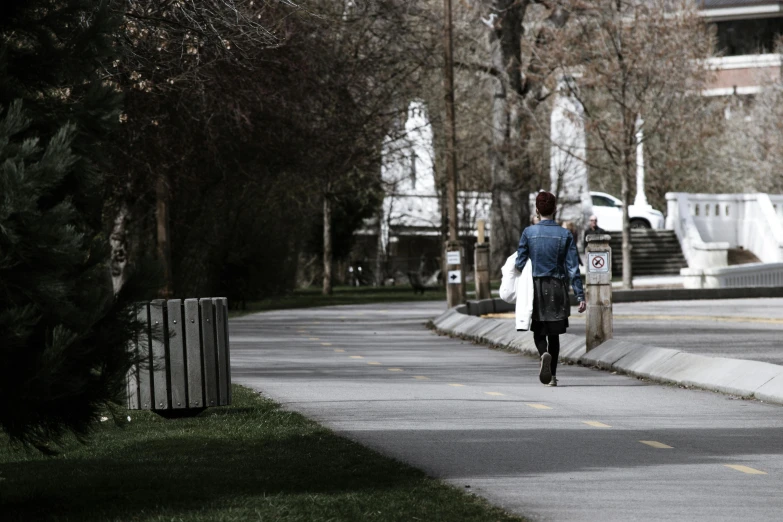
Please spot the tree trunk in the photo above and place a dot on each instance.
(510, 206)
(327, 289)
(380, 255)
(505, 229)
(119, 249)
(163, 236)
(509, 214)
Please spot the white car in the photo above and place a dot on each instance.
(609, 211)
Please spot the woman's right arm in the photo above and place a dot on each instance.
(522, 252)
(572, 268)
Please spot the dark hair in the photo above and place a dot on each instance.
(546, 203)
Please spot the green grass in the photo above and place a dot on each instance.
(342, 295)
(250, 461)
(347, 295)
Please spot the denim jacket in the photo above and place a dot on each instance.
(553, 252)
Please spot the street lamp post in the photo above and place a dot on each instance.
(641, 197)
(455, 284)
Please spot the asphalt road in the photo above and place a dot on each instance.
(736, 328)
(598, 447)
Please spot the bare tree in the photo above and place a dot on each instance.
(167, 49)
(634, 62)
(748, 153)
(251, 118)
(520, 34)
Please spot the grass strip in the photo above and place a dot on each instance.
(341, 295)
(249, 461)
(347, 295)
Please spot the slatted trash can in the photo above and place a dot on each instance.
(184, 365)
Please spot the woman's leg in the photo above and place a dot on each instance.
(554, 351)
(540, 340)
(545, 370)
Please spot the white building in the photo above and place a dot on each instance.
(412, 223)
(567, 167)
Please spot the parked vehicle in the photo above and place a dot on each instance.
(609, 211)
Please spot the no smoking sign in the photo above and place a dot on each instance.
(598, 262)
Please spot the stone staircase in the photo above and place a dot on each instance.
(655, 252)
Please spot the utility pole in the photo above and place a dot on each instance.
(455, 285)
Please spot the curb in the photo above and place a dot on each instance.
(497, 305)
(747, 379)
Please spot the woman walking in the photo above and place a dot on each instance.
(552, 250)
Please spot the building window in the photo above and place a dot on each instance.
(741, 37)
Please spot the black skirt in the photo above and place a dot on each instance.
(551, 306)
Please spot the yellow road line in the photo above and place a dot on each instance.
(713, 318)
(596, 424)
(356, 357)
(395, 369)
(539, 406)
(493, 393)
(656, 444)
(373, 363)
(421, 378)
(326, 344)
(656, 317)
(314, 339)
(339, 350)
(456, 385)
(746, 469)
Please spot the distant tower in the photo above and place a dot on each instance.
(408, 169)
(568, 171)
(408, 166)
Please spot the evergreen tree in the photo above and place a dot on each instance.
(61, 359)
(63, 334)
(54, 55)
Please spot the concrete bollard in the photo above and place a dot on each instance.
(481, 271)
(598, 290)
(455, 284)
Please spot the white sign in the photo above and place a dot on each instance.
(455, 277)
(452, 257)
(598, 262)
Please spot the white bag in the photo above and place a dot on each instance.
(508, 282)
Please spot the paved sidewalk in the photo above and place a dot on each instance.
(593, 448)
